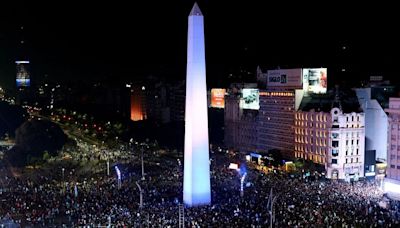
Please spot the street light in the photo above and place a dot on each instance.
(141, 195)
(242, 183)
(63, 182)
(270, 207)
(118, 176)
(142, 164)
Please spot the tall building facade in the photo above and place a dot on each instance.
(376, 124)
(345, 160)
(333, 139)
(393, 157)
(278, 103)
(23, 78)
(232, 120)
(177, 102)
(276, 120)
(312, 136)
(241, 132)
(138, 104)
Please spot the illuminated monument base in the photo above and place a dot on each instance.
(196, 181)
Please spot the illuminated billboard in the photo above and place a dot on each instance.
(284, 77)
(23, 77)
(23, 82)
(218, 98)
(250, 99)
(314, 80)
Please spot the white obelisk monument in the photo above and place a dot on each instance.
(196, 181)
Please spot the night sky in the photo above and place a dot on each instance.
(72, 40)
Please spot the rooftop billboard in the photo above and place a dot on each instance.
(250, 99)
(284, 78)
(314, 80)
(218, 98)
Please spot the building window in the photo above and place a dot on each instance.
(398, 167)
(357, 151)
(356, 160)
(346, 160)
(335, 135)
(358, 141)
(392, 166)
(347, 152)
(335, 153)
(347, 142)
(334, 161)
(335, 143)
(351, 161)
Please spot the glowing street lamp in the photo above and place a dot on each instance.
(118, 176)
(63, 182)
(141, 195)
(242, 183)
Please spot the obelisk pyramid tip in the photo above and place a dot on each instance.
(195, 10)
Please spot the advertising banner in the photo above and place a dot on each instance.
(218, 98)
(250, 99)
(315, 80)
(284, 77)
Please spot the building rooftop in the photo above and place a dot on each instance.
(347, 100)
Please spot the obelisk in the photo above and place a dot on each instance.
(196, 181)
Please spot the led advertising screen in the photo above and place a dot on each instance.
(250, 99)
(284, 77)
(218, 98)
(315, 80)
(23, 82)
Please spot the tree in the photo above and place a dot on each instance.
(33, 139)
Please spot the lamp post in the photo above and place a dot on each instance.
(118, 177)
(141, 195)
(63, 182)
(242, 178)
(270, 207)
(108, 165)
(142, 164)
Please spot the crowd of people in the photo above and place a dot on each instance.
(54, 200)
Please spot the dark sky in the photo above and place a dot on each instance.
(82, 40)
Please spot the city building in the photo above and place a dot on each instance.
(393, 143)
(376, 124)
(232, 120)
(276, 120)
(381, 90)
(23, 78)
(312, 136)
(138, 104)
(271, 116)
(278, 103)
(177, 101)
(241, 132)
(331, 132)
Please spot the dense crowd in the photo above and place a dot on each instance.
(51, 200)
